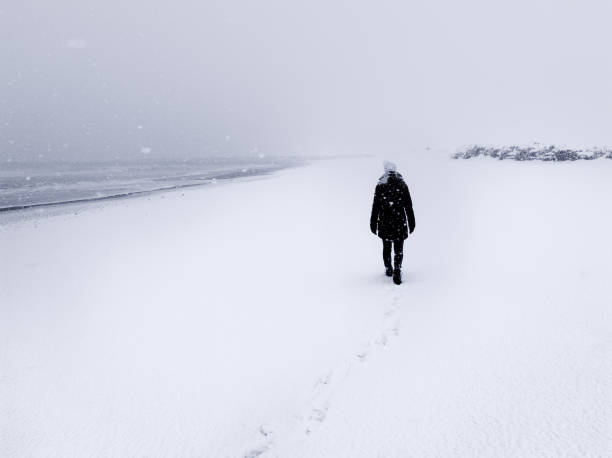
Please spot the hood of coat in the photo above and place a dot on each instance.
(390, 175)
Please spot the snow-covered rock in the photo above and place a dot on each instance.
(534, 152)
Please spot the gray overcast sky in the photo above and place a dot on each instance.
(100, 79)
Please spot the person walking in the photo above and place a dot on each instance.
(392, 218)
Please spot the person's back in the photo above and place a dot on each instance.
(392, 217)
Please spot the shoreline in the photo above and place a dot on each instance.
(26, 211)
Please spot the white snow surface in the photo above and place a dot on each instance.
(254, 319)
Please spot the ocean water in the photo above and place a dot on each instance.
(32, 185)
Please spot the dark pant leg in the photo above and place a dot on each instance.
(398, 247)
(387, 253)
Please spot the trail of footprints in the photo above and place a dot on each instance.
(329, 383)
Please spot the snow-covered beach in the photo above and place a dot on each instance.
(254, 319)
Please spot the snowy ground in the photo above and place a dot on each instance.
(254, 319)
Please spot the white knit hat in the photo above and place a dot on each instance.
(389, 166)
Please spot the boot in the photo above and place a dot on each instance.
(397, 276)
(387, 262)
(397, 272)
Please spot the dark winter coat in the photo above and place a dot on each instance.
(392, 214)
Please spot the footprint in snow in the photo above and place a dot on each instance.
(382, 340)
(317, 416)
(265, 443)
(324, 379)
(265, 431)
(362, 356)
(319, 413)
(258, 451)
